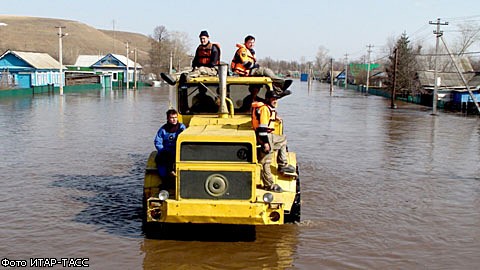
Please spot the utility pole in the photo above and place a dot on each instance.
(135, 76)
(392, 101)
(127, 77)
(114, 36)
(438, 34)
(369, 46)
(331, 76)
(170, 68)
(60, 57)
(310, 74)
(346, 70)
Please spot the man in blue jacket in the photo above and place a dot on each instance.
(165, 142)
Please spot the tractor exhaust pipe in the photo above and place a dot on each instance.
(222, 81)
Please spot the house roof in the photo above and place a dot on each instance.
(114, 61)
(123, 59)
(87, 60)
(447, 79)
(475, 81)
(36, 60)
(444, 63)
(355, 68)
(335, 73)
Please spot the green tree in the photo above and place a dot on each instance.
(405, 82)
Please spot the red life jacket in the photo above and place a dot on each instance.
(204, 54)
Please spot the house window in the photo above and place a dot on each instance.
(115, 76)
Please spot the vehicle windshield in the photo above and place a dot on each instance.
(204, 98)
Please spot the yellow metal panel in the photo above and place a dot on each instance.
(232, 80)
(151, 176)
(224, 166)
(218, 212)
(241, 120)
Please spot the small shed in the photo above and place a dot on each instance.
(27, 69)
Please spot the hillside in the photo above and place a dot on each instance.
(40, 35)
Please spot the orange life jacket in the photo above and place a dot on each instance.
(265, 123)
(241, 57)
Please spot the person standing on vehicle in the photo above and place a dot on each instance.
(264, 116)
(165, 143)
(244, 63)
(207, 57)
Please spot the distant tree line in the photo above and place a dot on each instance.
(171, 49)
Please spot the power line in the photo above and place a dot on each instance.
(445, 54)
(425, 27)
(462, 18)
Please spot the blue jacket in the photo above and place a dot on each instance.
(166, 137)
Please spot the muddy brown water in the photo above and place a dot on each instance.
(381, 188)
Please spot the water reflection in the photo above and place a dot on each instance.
(274, 248)
(113, 203)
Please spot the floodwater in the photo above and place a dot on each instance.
(381, 188)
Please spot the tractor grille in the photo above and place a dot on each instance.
(213, 151)
(224, 185)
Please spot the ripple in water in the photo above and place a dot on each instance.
(115, 202)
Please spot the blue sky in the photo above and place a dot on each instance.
(284, 30)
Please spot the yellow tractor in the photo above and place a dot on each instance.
(217, 177)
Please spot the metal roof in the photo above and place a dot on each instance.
(123, 59)
(87, 60)
(38, 60)
(90, 60)
(447, 79)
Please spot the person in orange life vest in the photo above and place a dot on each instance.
(207, 57)
(264, 116)
(244, 63)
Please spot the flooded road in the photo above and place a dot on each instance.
(381, 188)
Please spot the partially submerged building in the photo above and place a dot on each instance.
(451, 88)
(114, 66)
(28, 69)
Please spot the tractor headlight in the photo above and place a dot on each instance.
(268, 197)
(163, 195)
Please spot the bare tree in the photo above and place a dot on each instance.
(179, 46)
(166, 45)
(322, 61)
(470, 33)
(160, 34)
(159, 57)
